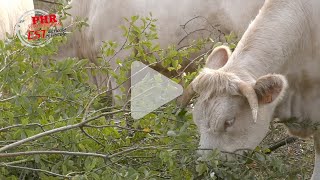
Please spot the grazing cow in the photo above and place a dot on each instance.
(106, 16)
(273, 73)
(10, 12)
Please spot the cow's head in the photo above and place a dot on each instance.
(232, 114)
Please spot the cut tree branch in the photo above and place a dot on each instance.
(281, 143)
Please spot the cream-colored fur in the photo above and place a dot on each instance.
(10, 12)
(284, 39)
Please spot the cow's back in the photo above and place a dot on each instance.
(10, 12)
(105, 17)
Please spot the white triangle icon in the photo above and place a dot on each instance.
(150, 90)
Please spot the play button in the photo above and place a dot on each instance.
(150, 90)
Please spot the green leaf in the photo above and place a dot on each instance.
(24, 121)
(134, 18)
(51, 118)
(201, 168)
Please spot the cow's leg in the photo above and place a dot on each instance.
(316, 170)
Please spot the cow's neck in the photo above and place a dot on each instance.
(272, 40)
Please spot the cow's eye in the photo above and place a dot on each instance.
(229, 123)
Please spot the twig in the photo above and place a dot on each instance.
(54, 97)
(190, 63)
(29, 153)
(20, 161)
(281, 143)
(8, 99)
(192, 32)
(120, 127)
(32, 169)
(133, 149)
(19, 125)
(52, 131)
(91, 137)
(32, 124)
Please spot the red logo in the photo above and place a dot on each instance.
(41, 27)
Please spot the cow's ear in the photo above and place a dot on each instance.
(218, 57)
(271, 88)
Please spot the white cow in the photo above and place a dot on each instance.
(106, 16)
(10, 12)
(273, 73)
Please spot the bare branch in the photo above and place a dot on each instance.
(8, 99)
(19, 162)
(32, 169)
(35, 137)
(29, 153)
(52, 131)
(89, 136)
(19, 125)
(30, 125)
